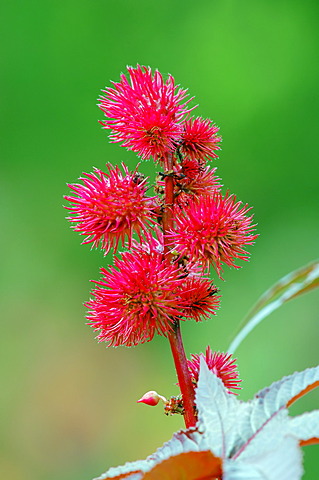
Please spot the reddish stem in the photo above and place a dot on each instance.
(185, 383)
(175, 338)
(169, 200)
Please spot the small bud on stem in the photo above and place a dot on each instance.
(152, 398)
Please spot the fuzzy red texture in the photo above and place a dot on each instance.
(213, 230)
(196, 181)
(191, 168)
(221, 364)
(145, 112)
(150, 243)
(200, 139)
(198, 297)
(192, 180)
(110, 206)
(135, 299)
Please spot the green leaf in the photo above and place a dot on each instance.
(306, 427)
(129, 471)
(187, 466)
(287, 390)
(257, 440)
(271, 401)
(272, 455)
(179, 459)
(289, 287)
(218, 412)
(235, 440)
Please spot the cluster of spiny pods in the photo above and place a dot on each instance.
(170, 240)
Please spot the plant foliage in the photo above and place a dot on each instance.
(235, 440)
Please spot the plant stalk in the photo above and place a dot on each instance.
(185, 383)
(175, 337)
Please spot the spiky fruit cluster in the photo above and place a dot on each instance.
(173, 237)
(221, 364)
(109, 207)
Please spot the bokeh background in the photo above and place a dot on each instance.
(68, 404)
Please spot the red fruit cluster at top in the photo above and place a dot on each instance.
(149, 116)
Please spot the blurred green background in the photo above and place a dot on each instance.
(69, 404)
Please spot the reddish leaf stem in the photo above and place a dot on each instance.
(303, 392)
(175, 337)
(310, 441)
